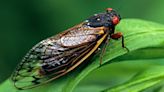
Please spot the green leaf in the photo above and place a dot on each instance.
(130, 65)
(138, 34)
(142, 80)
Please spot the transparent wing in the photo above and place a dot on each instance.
(55, 56)
(45, 61)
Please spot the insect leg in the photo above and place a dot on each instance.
(103, 50)
(104, 47)
(118, 35)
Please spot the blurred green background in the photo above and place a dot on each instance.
(23, 23)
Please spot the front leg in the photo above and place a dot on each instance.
(118, 35)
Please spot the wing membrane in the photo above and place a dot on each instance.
(35, 69)
(49, 59)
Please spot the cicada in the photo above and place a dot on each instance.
(56, 56)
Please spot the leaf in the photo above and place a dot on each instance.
(114, 75)
(150, 77)
(138, 34)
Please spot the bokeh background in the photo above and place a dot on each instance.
(23, 23)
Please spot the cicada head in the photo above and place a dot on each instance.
(108, 19)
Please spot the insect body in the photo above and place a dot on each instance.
(59, 54)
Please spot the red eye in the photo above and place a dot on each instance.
(115, 20)
(109, 9)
